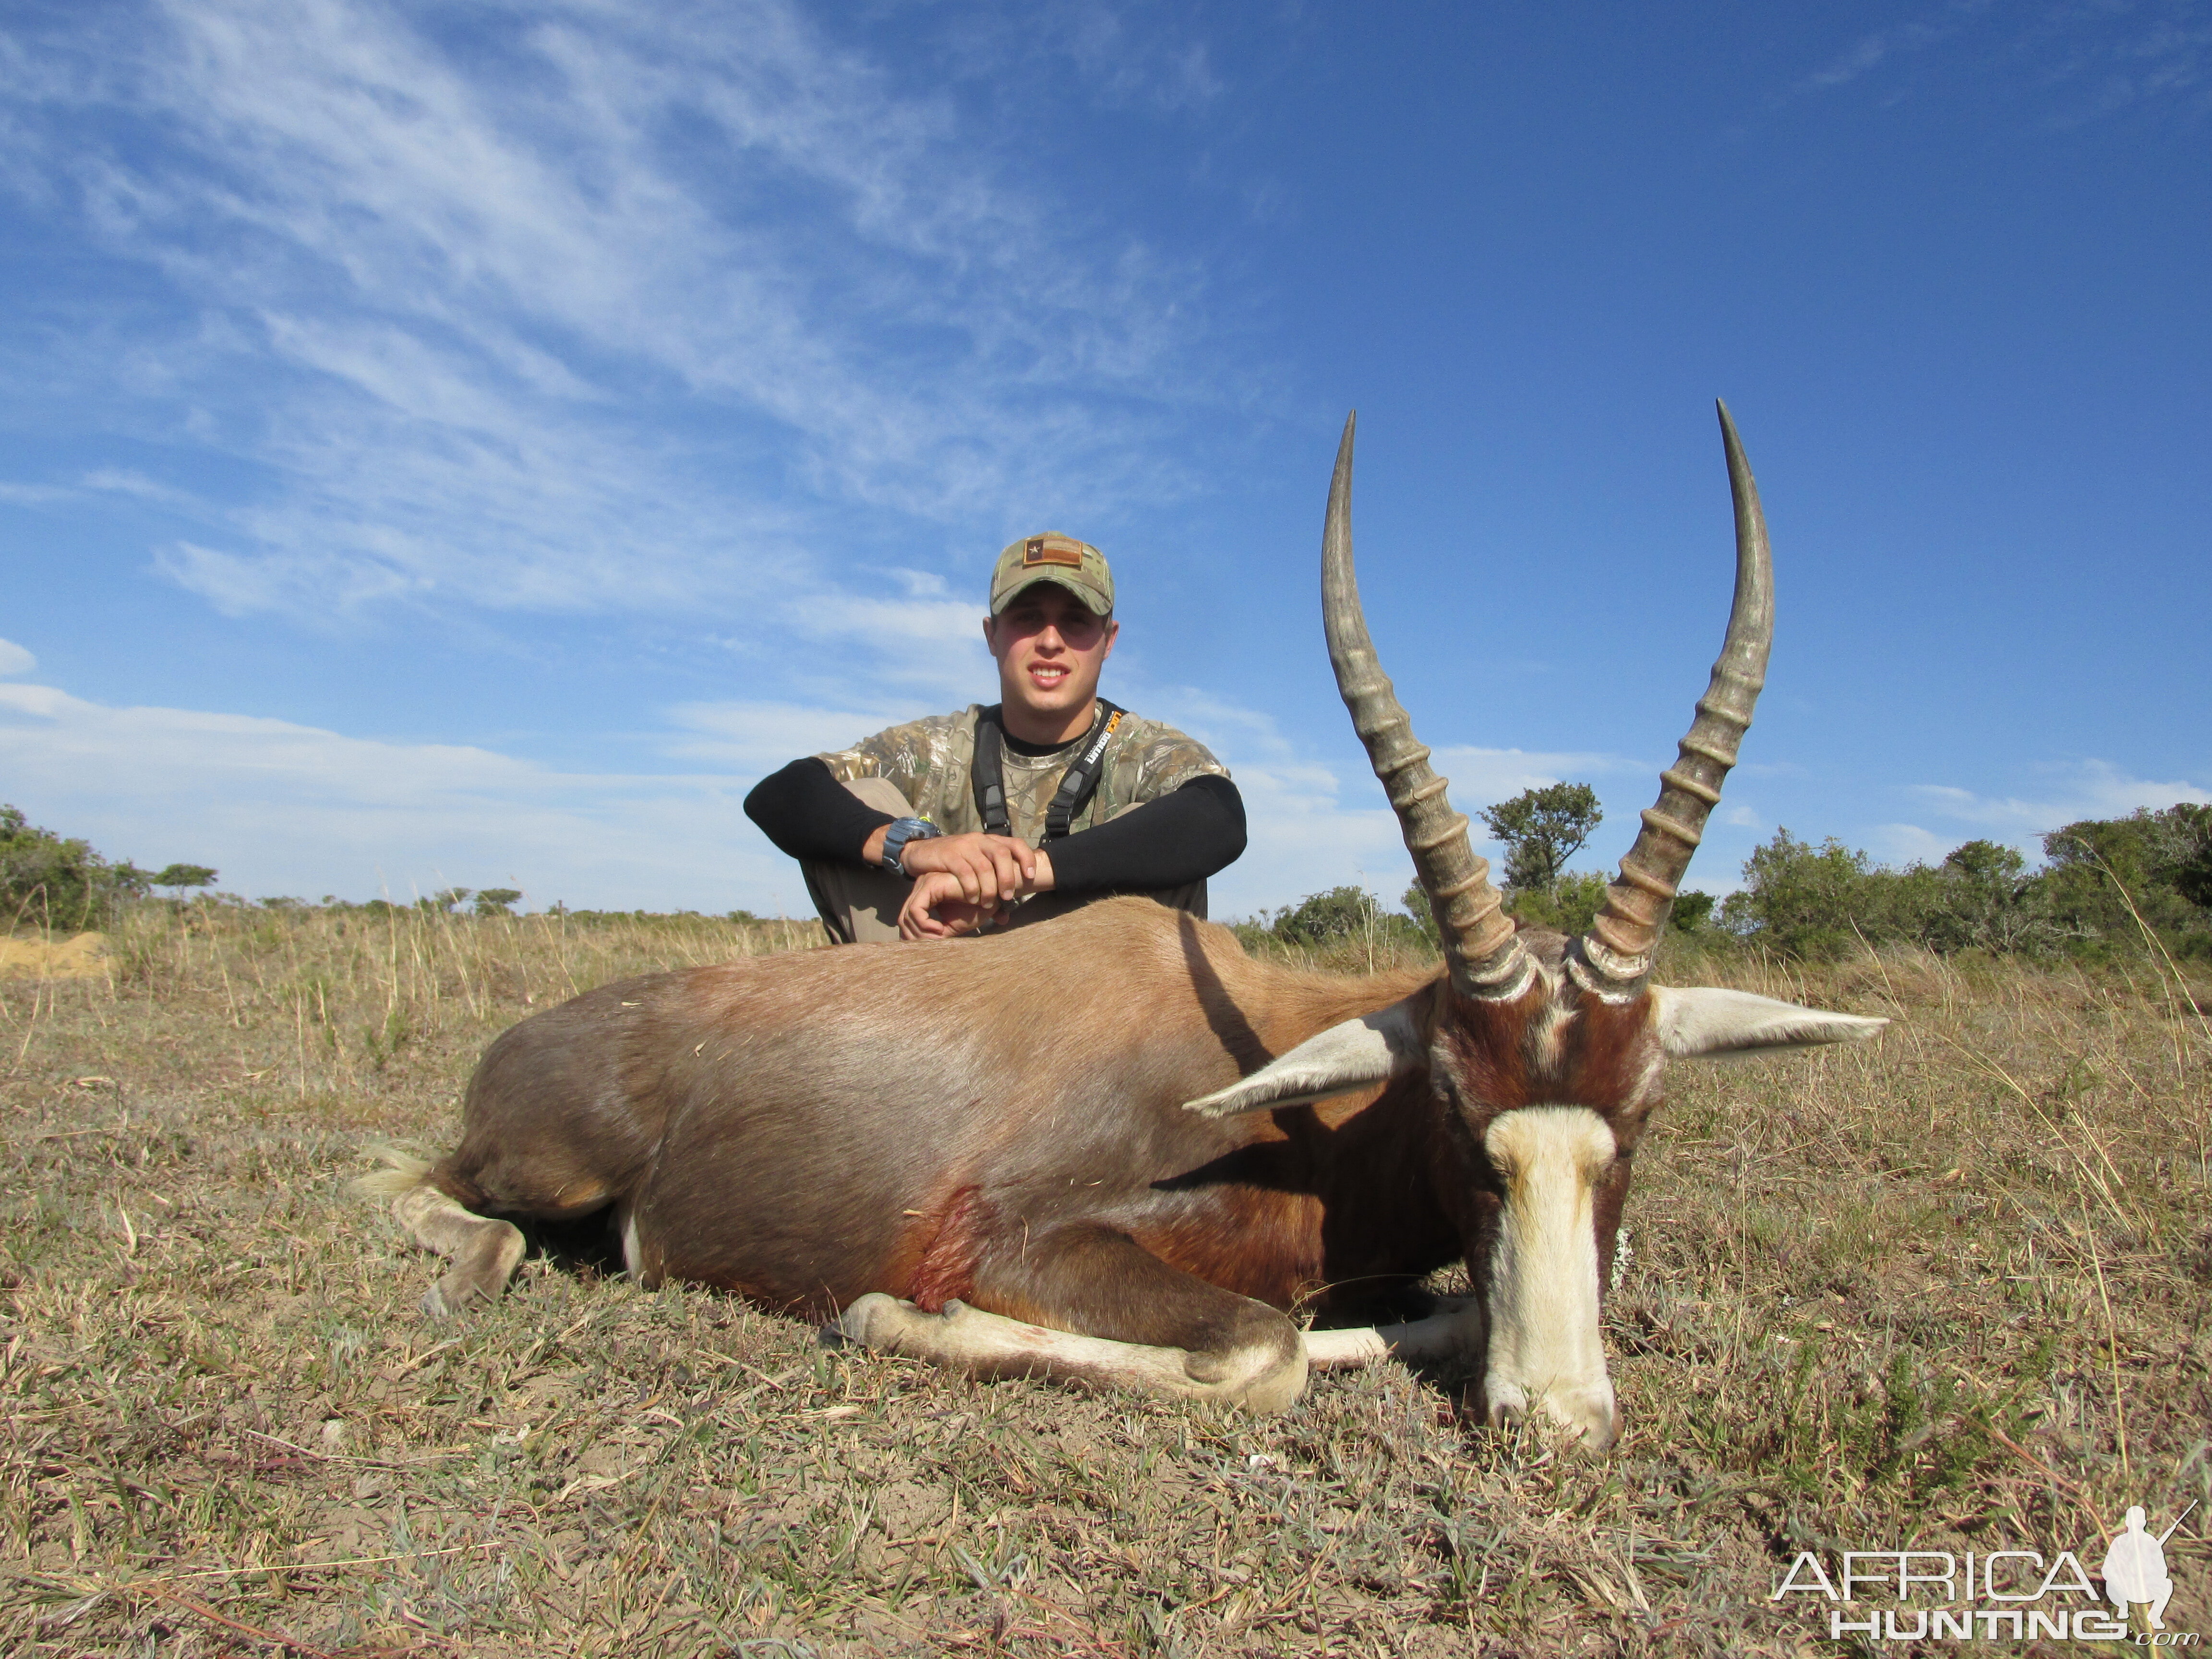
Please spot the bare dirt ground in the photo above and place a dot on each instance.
(1950, 1292)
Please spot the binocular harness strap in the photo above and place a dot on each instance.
(987, 773)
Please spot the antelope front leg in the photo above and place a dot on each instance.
(1455, 1334)
(1121, 1318)
(1266, 1378)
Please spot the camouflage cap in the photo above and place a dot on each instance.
(1076, 565)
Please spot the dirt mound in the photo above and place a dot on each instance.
(84, 956)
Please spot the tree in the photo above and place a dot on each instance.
(1342, 914)
(1693, 910)
(1820, 901)
(2160, 863)
(1989, 890)
(442, 903)
(55, 881)
(181, 876)
(1980, 898)
(1799, 899)
(1319, 917)
(1422, 913)
(497, 901)
(2188, 834)
(1542, 829)
(1569, 908)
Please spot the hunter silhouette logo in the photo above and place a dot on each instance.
(2001, 1594)
(2135, 1568)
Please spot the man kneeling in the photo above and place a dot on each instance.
(1005, 815)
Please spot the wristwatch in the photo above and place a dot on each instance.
(901, 831)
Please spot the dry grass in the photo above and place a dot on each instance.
(1952, 1292)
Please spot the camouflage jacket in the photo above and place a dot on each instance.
(928, 761)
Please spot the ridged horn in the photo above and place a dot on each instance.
(1624, 937)
(1485, 958)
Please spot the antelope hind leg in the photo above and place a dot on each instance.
(484, 1252)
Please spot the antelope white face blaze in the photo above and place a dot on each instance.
(1545, 1348)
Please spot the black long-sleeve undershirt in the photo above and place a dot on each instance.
(807, 813)
(1183, 837)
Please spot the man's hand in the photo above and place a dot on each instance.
(936, 910)
(939, 907)
(989, 870)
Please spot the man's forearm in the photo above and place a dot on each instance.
(1180, 838)
(808, 814)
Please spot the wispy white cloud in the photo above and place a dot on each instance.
(486, 291)
(123, 481)
(1871, 50)
(1120, 56)
(755, 738)
(25, 494)
(2071, 792)
(1309, 829)
(15, 659)
(1908, 843)
(282, 807)
(916, 645)
(2080, 63)
(1482, 777)
(1312, 828)
(2166, 56)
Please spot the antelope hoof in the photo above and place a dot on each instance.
(1266, 1377)
(874, 1320)
(457, 1295)
(1592, 1413)
(1274, 1391)
(1588, 1415)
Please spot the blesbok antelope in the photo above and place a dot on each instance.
(1114, 1148)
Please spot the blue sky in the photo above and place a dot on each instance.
(472, 443)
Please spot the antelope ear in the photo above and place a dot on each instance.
(1353, 1055)
(1704, 1023)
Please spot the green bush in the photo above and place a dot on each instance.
(1979, 898)
(1320, 919)
(2105, 873)
(58, 882)
(1422, 915)
(1340, 912)
(2107, 883)
(1569, 906)
(1693, 911)
(1803, 900)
